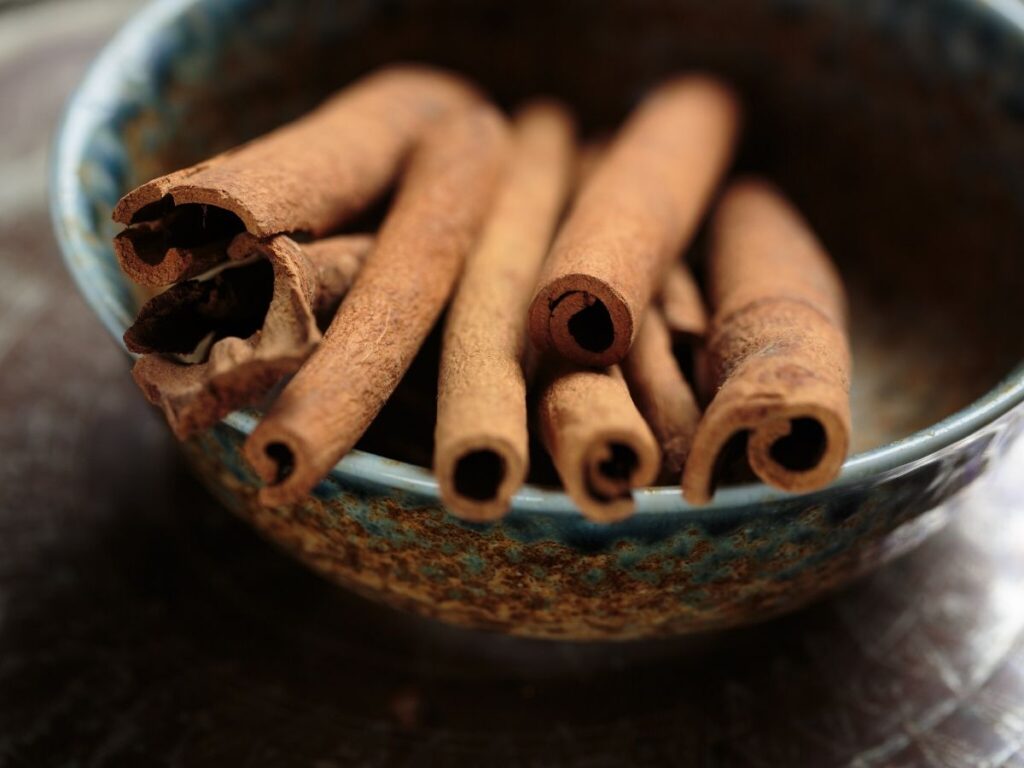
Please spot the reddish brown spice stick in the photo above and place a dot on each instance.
(240, 346)
(682, 305)
(634, 214)
(307, 177)
(598, 441)
(337, 261)
(661, 393)
(481, 447)
(777, 352)
(397, 297)
(686, 320)
(587, 160)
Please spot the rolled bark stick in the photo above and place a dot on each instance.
(306, 177)
(600, 444)
(481, 449)
(337, 261)
(587, 160)
(682, 305)
(221, 342)
(777, 351)
(634, 214)
(397, 297)
(661, 393)
(686, 320)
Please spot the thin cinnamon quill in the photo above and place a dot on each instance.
(686, 320)
(306, 177)
(588, 157)
(682, 305)
(600, 444)
(481, 445)
(397, 297)
(633, 215)
(220, 342)
(661, 393)
(777, 352)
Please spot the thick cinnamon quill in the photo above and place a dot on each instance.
(598, 441)
(397, 297)
(306, 177)
(481, 447)
(777, 354)
(220, 342)
(633, 215)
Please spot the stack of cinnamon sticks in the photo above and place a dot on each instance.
(572, 314)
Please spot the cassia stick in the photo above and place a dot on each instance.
(600, 444)
(481, 451)
(397, 297)
(220, 342)
(777, 353)
(306, 177)
(633, 215)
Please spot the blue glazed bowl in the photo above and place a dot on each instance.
(895, 124)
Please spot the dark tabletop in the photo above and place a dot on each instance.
(141, 625)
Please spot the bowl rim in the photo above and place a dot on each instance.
(99, 94)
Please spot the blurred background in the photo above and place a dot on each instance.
(142, 625)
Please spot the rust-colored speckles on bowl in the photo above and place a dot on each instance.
(551, 575)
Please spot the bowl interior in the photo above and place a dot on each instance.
(894, 125)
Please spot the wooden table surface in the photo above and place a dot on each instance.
(140, 625)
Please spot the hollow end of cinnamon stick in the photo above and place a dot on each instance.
(195, 313)
(583, 320)
(599, 443)
(798, 447)
(601, 477)
(223, 340)
(777, 356)
(478, 478)
(610, 464)
(167, 244)
(286, 462)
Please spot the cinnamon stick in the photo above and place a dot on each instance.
(634, 214)
(661, 393)
(397, 297)
(306, 177)
(600, 444)
(587, 160)
(777, 351)
(337, 261)
(686, 320)
(682, 305)
(481, 445)
(220, 342)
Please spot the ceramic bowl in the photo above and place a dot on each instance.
(896, 125)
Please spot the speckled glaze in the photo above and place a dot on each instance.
(189, 77)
